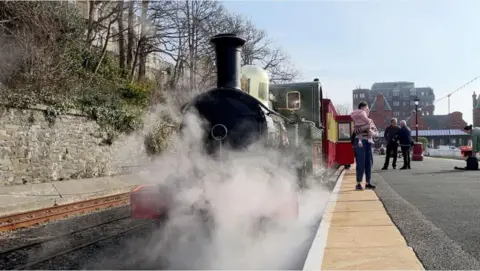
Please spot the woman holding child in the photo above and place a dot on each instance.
(364, 131)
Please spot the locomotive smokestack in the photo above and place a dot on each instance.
(228, 48)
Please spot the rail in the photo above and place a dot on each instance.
(36, 217)
(27, 256)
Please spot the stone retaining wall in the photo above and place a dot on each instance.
(34, 150)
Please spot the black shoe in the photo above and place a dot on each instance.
(409, 167)
(358, 187)
(384, 168)
(394, 167)
(402, 168)
(370, 186)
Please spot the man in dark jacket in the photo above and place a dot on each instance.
(390, 136)
(405, 140)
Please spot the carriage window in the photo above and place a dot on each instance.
(344, 132)
(293, 100)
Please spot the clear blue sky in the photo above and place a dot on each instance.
(351, 43)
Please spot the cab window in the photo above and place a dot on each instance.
(293, 100)
(344, 131)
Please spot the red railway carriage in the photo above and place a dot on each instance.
(336, 136)
(344, 149)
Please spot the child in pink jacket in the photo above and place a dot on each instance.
(360, 119)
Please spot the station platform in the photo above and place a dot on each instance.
(30, 197)
(356, 233)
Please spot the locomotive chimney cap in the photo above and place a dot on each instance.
(228, 37)
(316, 80)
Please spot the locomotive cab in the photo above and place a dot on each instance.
(301, 102)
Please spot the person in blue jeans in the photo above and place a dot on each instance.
(363, 156)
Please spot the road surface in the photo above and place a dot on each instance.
(436, 208)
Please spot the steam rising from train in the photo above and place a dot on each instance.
(231, 193)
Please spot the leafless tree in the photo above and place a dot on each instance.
(260, 50)
(343, 109)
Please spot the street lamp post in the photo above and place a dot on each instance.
(418, 146)
(416, 101)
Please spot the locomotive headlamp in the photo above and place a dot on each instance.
(416, 101)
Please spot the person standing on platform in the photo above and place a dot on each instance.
(405, 140)
(363, 152)
(390, 136)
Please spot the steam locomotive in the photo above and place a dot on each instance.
(244, 110)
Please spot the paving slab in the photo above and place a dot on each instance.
(380, 258)
(357, 196)
(370, 236)
(359, 206)
(361, 219)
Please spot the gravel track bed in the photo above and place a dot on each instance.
(123, 251)
(20, 237)
(34, 253)
(88, 231)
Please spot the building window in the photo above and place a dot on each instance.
(396, 103)
(293, 100)
(396, 92)
(396, 114)
(423, 93)
(362, 95)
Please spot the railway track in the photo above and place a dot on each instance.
(36, 217)
(28, 255)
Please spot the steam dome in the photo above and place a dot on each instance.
(255, 82)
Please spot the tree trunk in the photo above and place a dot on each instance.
(105, 45)
(121, 38)
(142, 42)
(131, 34)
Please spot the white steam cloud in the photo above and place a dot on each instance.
(250, 196)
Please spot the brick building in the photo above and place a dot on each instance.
(438, 129)
(399, 95)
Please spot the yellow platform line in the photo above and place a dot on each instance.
(356, 233)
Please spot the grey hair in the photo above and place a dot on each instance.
(394, 119)
(403, 123)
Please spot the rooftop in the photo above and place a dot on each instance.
(386, 105)
(439, 132)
